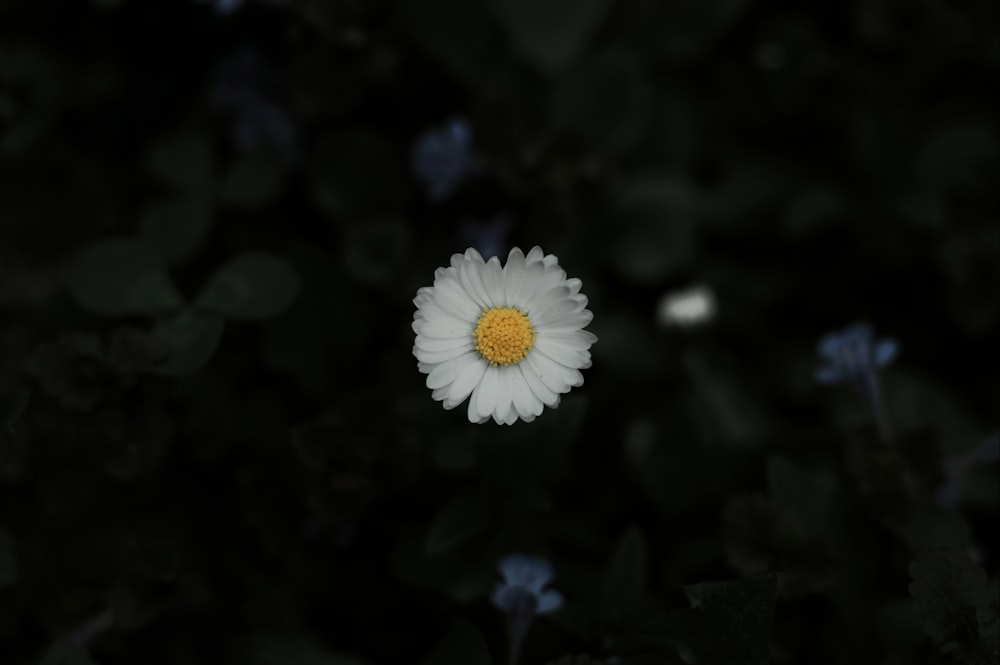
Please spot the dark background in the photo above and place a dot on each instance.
(271, 483)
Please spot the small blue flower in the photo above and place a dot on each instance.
(443, 158)
(853, 354)
(523, 587)
(245, 89)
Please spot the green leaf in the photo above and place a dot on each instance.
(625, 583)
(454, 32)
(177, 228)
(183, 160)
(951, 594)
(607, 100)
(808, 494)
(191, 338)
(122, 276)
(549, 35)
(456, 523)
(252, 287)
(252, 181)
(653, 219)
(8, 559)
(66, 653)
(462, 644)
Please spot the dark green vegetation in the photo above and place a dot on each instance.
(215, 447)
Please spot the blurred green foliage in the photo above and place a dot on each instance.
(215, 446)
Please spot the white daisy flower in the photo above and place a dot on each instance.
(512, 337)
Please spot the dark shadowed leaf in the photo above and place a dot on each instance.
(455, 32)
(296, 650)
(66, 653)
(252, 287)
(653, 215)
(462, 644)
(457, 522)
(625, 582)
(742, 612)
(607, 100)
(951, 594)
(122, 276)
(183, 160)
(931, 525)
(191, 338)
(549, 35)
(808, 494)
(8, 559)
(729, 623)
(177, 228)
(252, 181)
(376, 251)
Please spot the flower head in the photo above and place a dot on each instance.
(524, 580)
(853, 353)
(443, 158)
(509, 338)
(687, 308)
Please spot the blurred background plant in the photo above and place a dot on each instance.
(214, 443)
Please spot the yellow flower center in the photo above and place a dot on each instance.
(503, 335)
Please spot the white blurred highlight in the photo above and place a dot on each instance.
(686, 308)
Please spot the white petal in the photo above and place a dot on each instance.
(451, 297)
(578, 340)
(467, 380)
(504, 390)
(538, 388)
(441, 356)
(442, 328)
(570, 322)
(446, 372)
(547, 299)
(486, 397)
(432, 311)
(471, 276)
(561, 353)
(535, 255)
(513, 276)
(555, 311)
(549, 372)
(531, 282)
(432, 345)
(526, 404)
(493, 281)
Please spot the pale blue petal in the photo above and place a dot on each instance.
(885, 351)
(549, 601)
